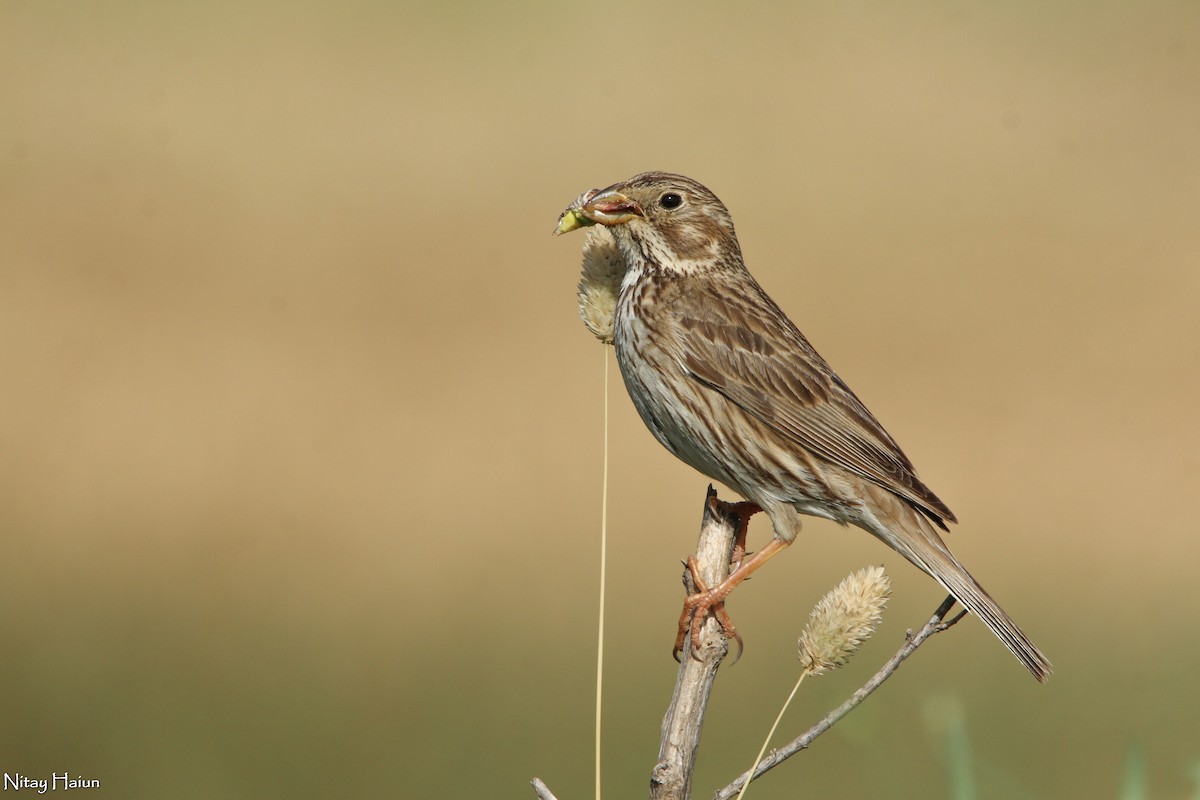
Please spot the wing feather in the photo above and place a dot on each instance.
(747, 350)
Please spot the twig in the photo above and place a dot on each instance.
(671, 778)
(541, 790)
(912, 641)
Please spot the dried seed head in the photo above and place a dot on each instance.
(843, 619)
(603, 269)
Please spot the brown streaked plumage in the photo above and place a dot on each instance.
(727, 383)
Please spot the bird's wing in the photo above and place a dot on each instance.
(745, 348)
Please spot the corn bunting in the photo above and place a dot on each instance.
(726, 382)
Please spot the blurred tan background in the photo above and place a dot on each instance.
(300, 434)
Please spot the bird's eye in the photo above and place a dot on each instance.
(670, 200)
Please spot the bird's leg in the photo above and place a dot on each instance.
(698, 606)
(743, 511)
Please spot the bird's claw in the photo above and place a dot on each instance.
(696, 609)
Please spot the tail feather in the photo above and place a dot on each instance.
(911, 535)
(946, 569)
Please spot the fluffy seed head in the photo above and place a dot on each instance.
(843, 619)
(603, 269)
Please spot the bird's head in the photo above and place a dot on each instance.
(668, 222)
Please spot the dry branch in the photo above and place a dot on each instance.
(671, 778)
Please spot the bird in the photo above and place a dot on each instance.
(726, 382)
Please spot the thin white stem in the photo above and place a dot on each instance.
(770, 733)
(603, 579)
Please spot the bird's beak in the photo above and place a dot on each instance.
(603, 207)
(610, 207)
